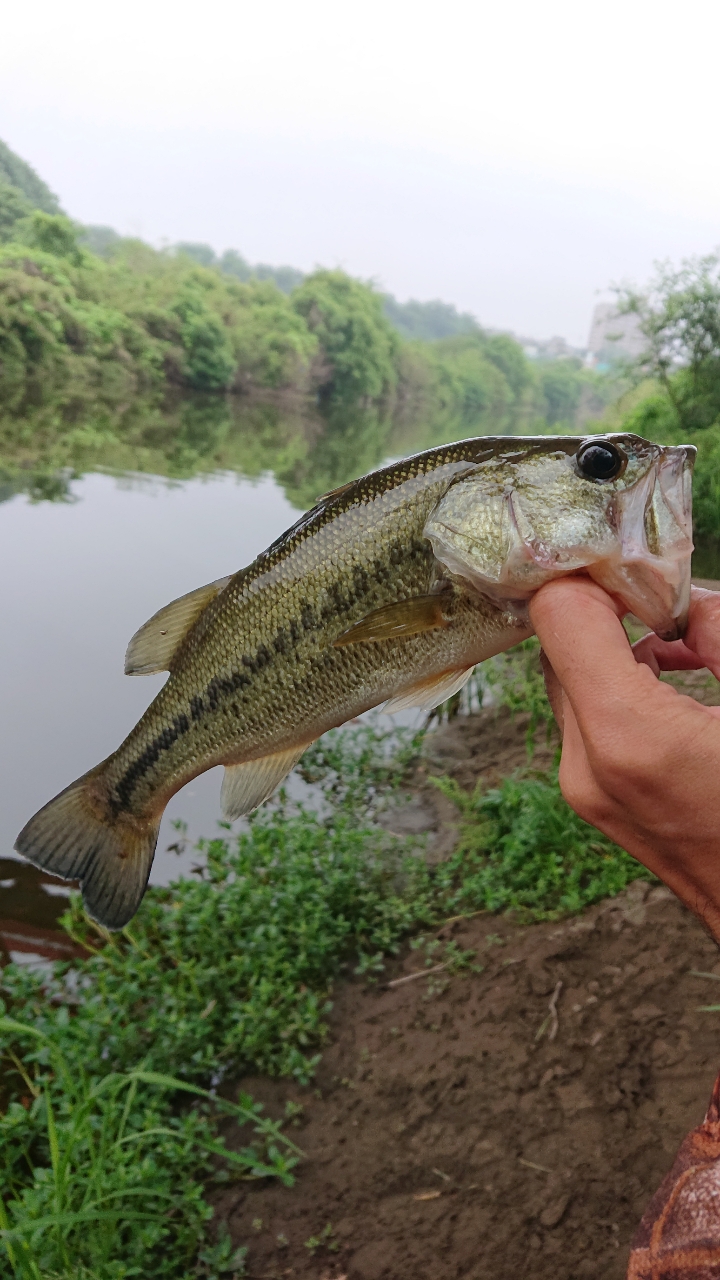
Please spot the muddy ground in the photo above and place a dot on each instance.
(507, 1123)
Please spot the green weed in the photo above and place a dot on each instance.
(100, 1171)
(231, 970)
(521, 847)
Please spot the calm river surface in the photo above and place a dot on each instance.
(78, 576)
(86, 560)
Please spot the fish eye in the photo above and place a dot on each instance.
(600, 460)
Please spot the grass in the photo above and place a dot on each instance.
(521, 848)
(112, 1063)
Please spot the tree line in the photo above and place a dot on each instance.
(138, 318)
(88, 313)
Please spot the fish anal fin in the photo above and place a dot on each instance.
(152, 647)
(395, 621)
(246, 785)
(76, 837)
(429, 693)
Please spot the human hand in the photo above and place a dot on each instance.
(640, 761)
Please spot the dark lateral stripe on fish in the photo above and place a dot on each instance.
(339, 603)
(149, 757)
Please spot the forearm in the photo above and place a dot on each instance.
(640, 761)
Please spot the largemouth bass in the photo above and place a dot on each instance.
(390, 590)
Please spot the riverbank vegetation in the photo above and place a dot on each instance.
(90, 317)
(137, 321)
(103, 339)
(119, 1112)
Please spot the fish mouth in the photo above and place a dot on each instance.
(650, 570)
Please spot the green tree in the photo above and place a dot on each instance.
(561, 383)
(99, 240)
(273, 346)
(203, 254)
(209, 362)
(52, 233)
(679, 314)
(507, 354)
(232, 263)
(427, 321)
(466, 382)
(14, 206)
(359, 347)
(286, 278)
(19, 174)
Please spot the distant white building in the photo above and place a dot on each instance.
(613, 337)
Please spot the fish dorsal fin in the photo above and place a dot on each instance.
(246, 785)
(429, 693)
(335, 493)
(394, 621)
(152, 647)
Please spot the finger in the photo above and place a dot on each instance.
(554, 691)
(666, 655)
(703, 632)
(586, 645)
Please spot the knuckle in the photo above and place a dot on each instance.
(583, 797)
(614, 767)
(704, 612)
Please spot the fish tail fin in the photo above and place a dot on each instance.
(78, 837)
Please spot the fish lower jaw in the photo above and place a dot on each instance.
(658, 594)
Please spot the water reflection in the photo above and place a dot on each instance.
(308, 452)
(105, 515)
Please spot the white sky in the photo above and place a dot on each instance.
(513, 158)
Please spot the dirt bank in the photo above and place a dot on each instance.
(460, 1128)
(449, 1136)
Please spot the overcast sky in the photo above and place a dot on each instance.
(512, 158)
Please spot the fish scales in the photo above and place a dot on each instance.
(390, 590)
(259, 656)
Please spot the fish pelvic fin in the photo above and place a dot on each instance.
(246, 785)
(76, 837)
(429, 693)
(153, 647)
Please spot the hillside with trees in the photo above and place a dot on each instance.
(85, 312)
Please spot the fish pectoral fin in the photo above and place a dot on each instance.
(153, 647)
(246, 785)
(430, 693)
(395, 621)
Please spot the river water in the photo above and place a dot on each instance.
(89, 554)
(90, 549)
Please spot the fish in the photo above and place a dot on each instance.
(389, 591)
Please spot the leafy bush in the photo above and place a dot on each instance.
(521, 847)
(359, 345)
(209, 362)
